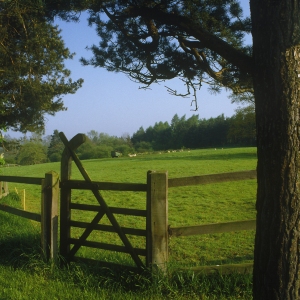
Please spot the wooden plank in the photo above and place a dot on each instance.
(21, 213)
(157, 225)
(3, 189)
(109, 247)
(20, 179)
(49, 212)
(109, 228)
(115, 210)
(113, 186)
(246, 268)
(212, 178)
(212, 228)
(102, 202)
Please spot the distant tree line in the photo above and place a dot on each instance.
(37, 149)
(25, 150)
(238, 130)
(182, 132)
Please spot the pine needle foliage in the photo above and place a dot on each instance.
(33, 77)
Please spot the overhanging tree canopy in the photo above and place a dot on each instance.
(196, 41)
(32, 74)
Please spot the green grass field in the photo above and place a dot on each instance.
(192, 205)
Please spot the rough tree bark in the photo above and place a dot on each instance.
(276, 46)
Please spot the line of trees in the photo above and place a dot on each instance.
(37, 149)
(238, 130)
(25, 150)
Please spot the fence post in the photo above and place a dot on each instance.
(5, 188)
(65, 194)
(65, 200)
(157, 220)
(49, 215)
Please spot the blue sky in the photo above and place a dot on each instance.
(109, 102)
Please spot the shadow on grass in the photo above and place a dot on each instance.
(19, 237)
(23, 253)
(18, 251)
(231, 260)
(239, 260)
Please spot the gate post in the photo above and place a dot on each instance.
(49, 215)
(65, 193)
(157, 220)
(3, 189)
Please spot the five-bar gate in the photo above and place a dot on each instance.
(155, 190)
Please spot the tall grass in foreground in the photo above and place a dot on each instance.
(24, 275)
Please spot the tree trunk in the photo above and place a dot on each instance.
(276, 49)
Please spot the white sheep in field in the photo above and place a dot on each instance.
(131, 155)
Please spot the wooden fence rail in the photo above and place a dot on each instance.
(49, 208)
(115, 210)
(212, 228)
(105, 186)
(211, 178)
(21, 213)
(20, 179)
(109, 228)
(218, 227)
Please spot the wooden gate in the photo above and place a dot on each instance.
(151, 252)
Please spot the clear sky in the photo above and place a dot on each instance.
(111, 103)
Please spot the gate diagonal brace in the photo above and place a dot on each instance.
(86, 233)
(103, 204)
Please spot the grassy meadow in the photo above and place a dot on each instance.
(192, 205)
